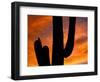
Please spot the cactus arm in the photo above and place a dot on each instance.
(71, 35)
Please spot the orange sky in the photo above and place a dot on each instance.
(41, 26)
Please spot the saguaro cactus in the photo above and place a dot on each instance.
(42, 54)
(59, 52)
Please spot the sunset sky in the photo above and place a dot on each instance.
(41, 26)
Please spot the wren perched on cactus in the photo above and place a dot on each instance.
(58, 52)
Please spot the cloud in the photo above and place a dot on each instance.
(81, 39)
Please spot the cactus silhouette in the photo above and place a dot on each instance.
(58, 52)
(42, 54)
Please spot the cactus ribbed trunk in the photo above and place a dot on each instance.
(57, 53)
